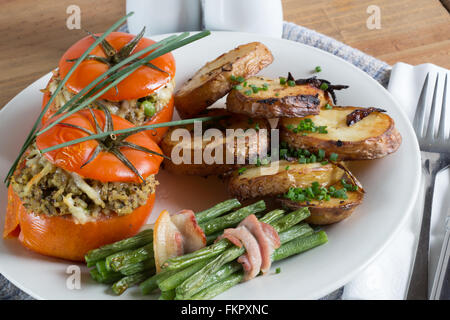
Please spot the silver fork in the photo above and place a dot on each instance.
(435, 150)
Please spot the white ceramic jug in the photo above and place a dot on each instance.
(164, 16)
(255, 16)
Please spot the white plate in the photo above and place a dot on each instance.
(391, 185)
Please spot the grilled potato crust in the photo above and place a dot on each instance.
(328, 212)
(212, 81)
(373, 137)
(278, 100)
(279, 176)
(253, 144)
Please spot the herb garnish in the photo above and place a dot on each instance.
(241, 170)
(316, 192)
(307, 125)
(304, 156)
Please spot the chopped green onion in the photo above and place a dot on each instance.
(315, 192)
(240, 79)
(333, 156)
(248, 92)
(277, 270)
(321, 153)
(291, 83)
(282, 80)
(318, 69)
(242, 170)
(328, 106)
(324, 86)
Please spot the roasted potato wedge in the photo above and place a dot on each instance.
(274, 100)
(374, 136)
(253, 142)
(277, 177)
(213, 80)
(334, 210)
(328, 212)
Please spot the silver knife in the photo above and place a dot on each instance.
(441, 283)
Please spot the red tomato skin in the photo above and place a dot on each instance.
(141, 83)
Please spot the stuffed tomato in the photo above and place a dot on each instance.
(144, 97)
(73, 199)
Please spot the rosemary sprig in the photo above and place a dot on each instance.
(109, 79)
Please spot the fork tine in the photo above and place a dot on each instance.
(420, 110)
(430, 126)
(441, 133)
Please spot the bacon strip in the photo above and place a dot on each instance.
(259, 239)
(175, 235)
(251, 260)
(193, 236)
(266, 236)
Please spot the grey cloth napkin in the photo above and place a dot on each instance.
(377, 69)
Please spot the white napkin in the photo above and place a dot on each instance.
(388, 276)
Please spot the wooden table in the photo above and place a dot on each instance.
(35, 33)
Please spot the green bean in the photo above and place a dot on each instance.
(175, 280)
(226, 270)
(139, 240)
(151, 283)
(217, 210)
(105, 278)
(205, 253)
(212, 237)
(299, 245)
(272, 216)
(291, 219)
(167, 295)
(294, 232)
(296, 246)
(138, 267)
(214, 249)
(125, 258)
(218, 288)
(226, 221)
(95, 274)
(191, 284)
(123, 284)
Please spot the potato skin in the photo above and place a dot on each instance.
(278, 100)
(212, 82)
(324, 215)
(203, 169)
(367, 149)
(244, 187)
